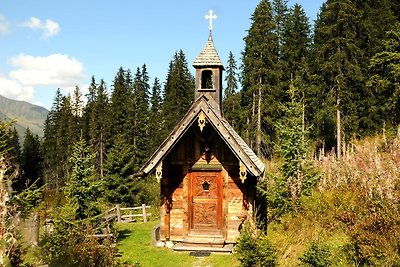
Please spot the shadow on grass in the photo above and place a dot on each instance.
(123, 234)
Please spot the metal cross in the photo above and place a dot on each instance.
(210, 16)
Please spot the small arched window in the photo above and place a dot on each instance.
(206, 79)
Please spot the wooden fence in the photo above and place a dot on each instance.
(127, 214)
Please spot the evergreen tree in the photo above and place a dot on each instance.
(296, 41)
(31, 161)
(155, 117)
(385, 81)
(82, 190)
(178, 92)
(298, 177)
(279, 13)
(121, 107)
(231, 102)
(118, 166)
(141, 92)
(87, 110)
(51, 147)
(98, 125)
(231, 77)
(260, 75)
(338, 62)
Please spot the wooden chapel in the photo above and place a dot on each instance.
(207, 173)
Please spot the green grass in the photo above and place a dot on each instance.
(136, 247)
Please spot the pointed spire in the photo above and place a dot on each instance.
(208, 56)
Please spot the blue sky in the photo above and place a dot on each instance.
(47, 44)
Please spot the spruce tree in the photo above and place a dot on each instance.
(279, 13)
(385, 81)
(82, 190)
(296, 41)
(98, 125)
(31, 161)
(260, 95)
(231, 102)
(155, 117)
(121, 105)
(51, 146)
(141, 92)
(337, 60)
(178, 92)
(118, 167)
(231, 77)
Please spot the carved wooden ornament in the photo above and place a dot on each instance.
(202, 121)
(159, 172)
(242, 172)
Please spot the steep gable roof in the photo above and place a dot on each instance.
(236, 144)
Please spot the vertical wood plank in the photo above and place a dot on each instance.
(118, 210)
(144, 213)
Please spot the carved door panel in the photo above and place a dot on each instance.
(205, 201)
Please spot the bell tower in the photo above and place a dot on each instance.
(209, 70)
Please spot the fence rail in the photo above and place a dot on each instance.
(127, 214)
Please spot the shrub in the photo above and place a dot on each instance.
(254, 248)
(317, 255)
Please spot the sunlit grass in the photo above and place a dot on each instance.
(136, 247)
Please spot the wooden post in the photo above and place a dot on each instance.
(144, 213)
(118, 210)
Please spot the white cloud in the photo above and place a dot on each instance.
(56, 70)
(14, 90)
(3, 25)
(49, 27)
(32, 73)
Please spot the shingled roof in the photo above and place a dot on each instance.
(208, 56)
(236, 144)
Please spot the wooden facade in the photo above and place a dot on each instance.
(207, 173)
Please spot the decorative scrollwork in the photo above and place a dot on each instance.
(202, 121)
(159, 172)
(242, 172)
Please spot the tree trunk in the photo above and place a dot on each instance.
(251, 125)
(338, 125)
(101, 155)
(258, 134)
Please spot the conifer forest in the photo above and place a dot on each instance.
(318, 102)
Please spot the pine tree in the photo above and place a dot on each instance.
(231, 77)
(51, 146)
(155, 117)
(296, 41)
(337, 61)
(231, 101)
(82, 190)
(260, 75)
(141, 90)
(118, 166)
(178, 92)
(98, 125)
(87, 110)
(121, 107)
(279, 13)
(31, 162)
(385, 81)
(298, 177)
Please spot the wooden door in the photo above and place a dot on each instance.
(205, 203)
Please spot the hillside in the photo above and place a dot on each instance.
(352, 217)
(25, 114)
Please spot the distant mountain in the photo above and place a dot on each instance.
(25, 114)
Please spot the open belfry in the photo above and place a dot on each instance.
(208, 174)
